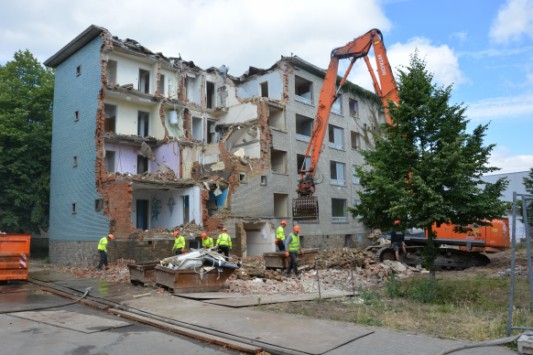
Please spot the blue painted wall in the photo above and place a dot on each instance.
(71, 138)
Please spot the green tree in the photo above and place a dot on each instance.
(528, 182)
(26, 94)
(425, 168)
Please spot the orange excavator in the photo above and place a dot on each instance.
(305, 206)
(458, 250)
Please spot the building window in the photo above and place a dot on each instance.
(109, 161)
(354, 107)
(78, 70)
(304, 128)
(277, 119)
(144, 81)
(281, 205)
(74, 208)
(111, 72)
(303, 90)
(336, 137)
(74, 161)
(355, 177)
(338, 210)
(337, 106)
(197, 128)
(264, 89)
(110, 112)
(278, 161)
(356, 140)
(161, 87)
(142, 164)
(98, 204)
(210, 99)
(76, 116)
(243, 178)
(211, 132)
(143, 120)
(263, 180)
(337, 173)
(302, 162)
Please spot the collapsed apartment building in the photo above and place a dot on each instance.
(143, 143)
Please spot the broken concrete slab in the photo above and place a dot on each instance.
(257, 300)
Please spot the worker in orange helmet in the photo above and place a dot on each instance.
(397, 240)
(207, 242)
(179, 242)
(280, 236)
(102, 250)
(224, 242)
(293, 245)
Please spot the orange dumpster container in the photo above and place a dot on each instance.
(14, 256)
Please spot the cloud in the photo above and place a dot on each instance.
(441, 61)
(501, 108)
(508, 163)
(237, 33)
(514, 21)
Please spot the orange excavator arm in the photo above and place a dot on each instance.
(305, 206)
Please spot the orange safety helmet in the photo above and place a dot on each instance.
(175, 234)
(284, 222)
(397, 222)
(204, 235)
(111, 236)
(224, 229)
(296, 229)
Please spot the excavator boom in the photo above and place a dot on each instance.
(305, 206)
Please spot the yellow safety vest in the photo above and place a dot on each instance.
(179, 242)
(102, 244)
(294, 244)
(207, 243)
(280, 233)
(224, 239)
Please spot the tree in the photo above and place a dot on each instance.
(528, 182)
(26, 94)
(425, 168)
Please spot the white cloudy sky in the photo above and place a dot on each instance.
(483, 47)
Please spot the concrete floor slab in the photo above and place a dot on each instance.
(207, 295)
(27, 300)
(112, 291)
(256, 300)
(282, 330)
(84, 323)
(51, 276)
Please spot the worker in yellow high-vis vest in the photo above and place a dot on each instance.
(102, 251)
(293, 245)
(280, 236)
(207, 242)
(179, 242)
(224, 242)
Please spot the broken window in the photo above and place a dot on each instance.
(276, 119)
(336, 137)
(243, 178)
(211, 132)
(338, 210)
(161, 88)
(281, 205)
(278, 160)
(110, 112)
(356, 140)
(74, 161)
(337, 173)
(109, 161)
(142, 164)
(111, 72)
(144, 81)
(354, 107)
(337, 106)
(304, 128)
(74, 208)
(210, 99)
(78, 70)
(98, 204)
(302, 162)
(76, 116)
(143, 120)
(263, 180)
(303, 89)
(197, 128)
(264, 89)
(186, 208)
(141, 215)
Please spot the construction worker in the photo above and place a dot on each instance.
(292, 244)
(397, 238)
(179, 242)
(224, 242)
(280, 236)
(207, 242)
(102, 250)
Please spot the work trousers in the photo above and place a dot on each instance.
(178, 251)
(281, 245)
(224, 249)
(293, 265)
(103, 259)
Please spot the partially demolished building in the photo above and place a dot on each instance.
(143, 143)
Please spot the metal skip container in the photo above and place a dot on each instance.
(14, 256)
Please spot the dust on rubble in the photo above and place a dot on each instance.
(347, 269)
